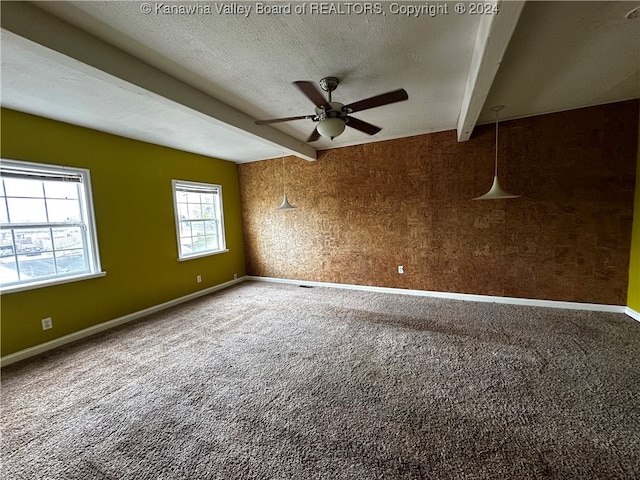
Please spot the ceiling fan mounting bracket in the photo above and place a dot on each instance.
(329, 84)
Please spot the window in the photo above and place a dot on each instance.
(47, 230)
(199, 223)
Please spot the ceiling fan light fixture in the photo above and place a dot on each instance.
(331, 127)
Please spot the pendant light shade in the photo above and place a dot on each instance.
(285, 205)
(496, 192)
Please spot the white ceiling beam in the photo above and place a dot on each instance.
(43, 28)
(494, 34)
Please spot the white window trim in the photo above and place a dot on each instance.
(202, 254)
(223, 240)
(50, 283)
(92, 234)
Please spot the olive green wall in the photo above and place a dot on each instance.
(133, 202)
(633, 298)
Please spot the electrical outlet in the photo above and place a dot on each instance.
(400, 269)
(199, 278)
(235, 276)
(47, 323)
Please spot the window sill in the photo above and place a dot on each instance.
(203, 254)
(50, 283)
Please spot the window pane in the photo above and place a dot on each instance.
(6, 240)
(193, 197)
(71, 261)
(27, 210)
(8, 268)
(3, 211)
(67, 237)
(183, 213)
(185, 229)
(194, 210)
(18, 187)
(211, 243)
(63, 210)
(198, 245)
(210, 227)
(68, 190)
(32, 267)
(33, 242)
(208, 211)
(186, 245)
(197, 228)
(7, 250)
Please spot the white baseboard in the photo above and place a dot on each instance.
(632, 313)
(86, 332)
(596, 307)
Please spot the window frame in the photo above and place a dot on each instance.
(202, 188)
(87, 223)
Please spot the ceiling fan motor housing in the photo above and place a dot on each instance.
(334, 112)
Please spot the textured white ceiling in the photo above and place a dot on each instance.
(562, 55)
(43, 82)
(567, 55)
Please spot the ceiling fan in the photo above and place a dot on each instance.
(332, 117)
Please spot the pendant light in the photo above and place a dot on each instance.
(285, 205)
(496, 192)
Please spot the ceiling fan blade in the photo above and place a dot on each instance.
(314, 136)
(312, 93)
(377, 101)
(285, 119)
(362, 126)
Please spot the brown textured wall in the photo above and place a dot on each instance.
(364, 210)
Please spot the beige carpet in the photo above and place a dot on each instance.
(265, 381)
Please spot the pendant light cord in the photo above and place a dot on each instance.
(495, 172)
(284, 183)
